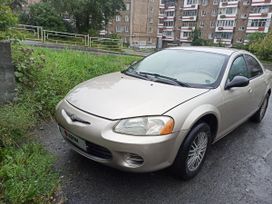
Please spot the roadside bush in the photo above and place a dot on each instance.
(262, 47)
(27, 66)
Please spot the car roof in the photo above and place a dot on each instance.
(218, 50)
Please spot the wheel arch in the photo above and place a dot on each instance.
(205, 113)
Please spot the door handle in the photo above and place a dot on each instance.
(250, 90)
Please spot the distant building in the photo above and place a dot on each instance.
(225, 21)
(137, 25)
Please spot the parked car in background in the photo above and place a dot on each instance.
(165, 110)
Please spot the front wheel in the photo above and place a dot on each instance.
(192, 152)
(259, 115)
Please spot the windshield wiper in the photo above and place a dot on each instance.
(161, 78)
(131, 72)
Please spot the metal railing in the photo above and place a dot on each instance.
(37, 33)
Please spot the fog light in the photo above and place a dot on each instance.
(133, 160)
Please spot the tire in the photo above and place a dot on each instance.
(183, 166)
(259, 115)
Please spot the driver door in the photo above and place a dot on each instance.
(238, 101)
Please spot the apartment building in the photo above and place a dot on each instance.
(225, 21)
(137, 24)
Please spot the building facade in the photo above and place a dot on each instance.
(137, 24)
(221, 21)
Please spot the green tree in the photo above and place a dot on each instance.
(43, 14)
(262, 46)
(197, 40)
(89, 15)
(7, 19)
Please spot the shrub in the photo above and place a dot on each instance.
(27, 65)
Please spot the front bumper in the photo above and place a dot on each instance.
(157, 152)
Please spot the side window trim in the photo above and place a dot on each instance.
(250, 78)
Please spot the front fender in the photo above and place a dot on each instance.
(198, 113)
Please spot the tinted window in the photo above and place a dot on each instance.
(238, 68)
(253, 65)
(192, 67)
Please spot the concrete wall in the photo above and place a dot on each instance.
(7, 78)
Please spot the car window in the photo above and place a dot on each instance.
(191, 67)
(253, 65)
(238, 68)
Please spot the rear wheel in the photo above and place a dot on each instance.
(259, 115)
(192, 152)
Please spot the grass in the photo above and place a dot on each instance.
(26, 173)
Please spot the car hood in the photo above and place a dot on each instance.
(116, 96)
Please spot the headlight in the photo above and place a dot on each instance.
(153, 125)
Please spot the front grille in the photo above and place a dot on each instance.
(98, 151)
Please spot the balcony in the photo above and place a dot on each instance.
(261, 2)
(188, 18)
(162, 6)
(225, 41)
(228, 4)
(224, 29)
(226, 16)
(189, 7)
(187, 28)
(260, 16)
(162, 15)
(251, 29)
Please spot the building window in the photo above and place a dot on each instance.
(203, 13)
(168, 23)
(204, 2)
(126, 18)
(212, 24)
(259, 9)
(257, 23)
(241, 28)
(118, 18)
(127, 7)
(214, 12)
(192, 2)
(170, 13)
(119, 29)
(215, 2)
(201, 24)
(186, 34)
(150, 29)
(190, 13)
(225, 23)
(223, 35)
(150, 20)
(228, 11)
(168, 33)
(188, 24)
(126, 29)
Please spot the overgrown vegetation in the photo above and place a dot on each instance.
(44, 77)
(7, 20)
(260, 44)
(45, 15)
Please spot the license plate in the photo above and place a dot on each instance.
(74, 139)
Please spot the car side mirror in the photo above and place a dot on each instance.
(237, 81)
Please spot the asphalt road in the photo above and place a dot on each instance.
(238, 170)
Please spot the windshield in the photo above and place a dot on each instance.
(189, 67)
